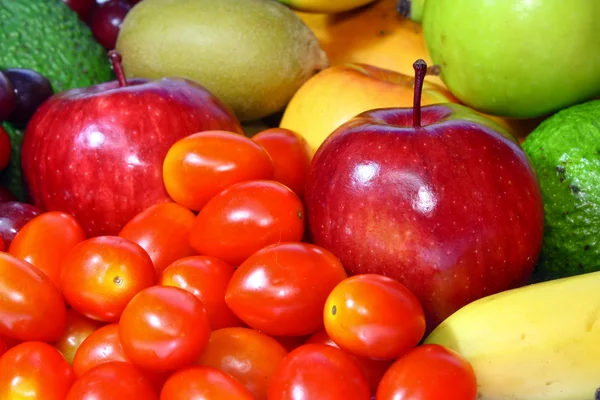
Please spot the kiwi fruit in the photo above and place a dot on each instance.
(252, 54)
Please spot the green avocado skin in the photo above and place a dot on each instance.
(48, 37)
(565, 152)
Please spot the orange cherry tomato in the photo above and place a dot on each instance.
(207, 279)
(374, 316)
(291, 155)
(31, 307)
(100, 275)
(164, 328)
(281, 289)
(251, 357)
(373, 369)
(162, 230)
(34, 370)
(99, 347)
(429, 372)
(203, 383)
(201, 165)
(78, 328)
(46, 240)
(5, 149)
(246, 217)
(318, 371)
(113, 380)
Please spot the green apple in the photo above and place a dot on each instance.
(516, 58)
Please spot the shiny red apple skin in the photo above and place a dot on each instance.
(452, 209)
(97, 153)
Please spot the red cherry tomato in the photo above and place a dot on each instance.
(163, 231)
(103, 346)
(3, 346)
(207, 279)
(99, 347)
(100, 275)
(281, 289)
(201, 165)
(78, 328)
(5, 149)
(291, 342)
(373, 369)
(164, 328)
(34, 370)
(374, 316)
(429, 372)
(46, 240)
(246, 217)
(113, 380)
(31, 307)
(318, 371)
(251, 357)
(203, 383)
(291, 155)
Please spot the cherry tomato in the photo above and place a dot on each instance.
(201, 165)
(246, 217)
(318, 371)
(291, 342)
(374, 316)
(99, 347)
(281, 289)
(162, 230)
(100, 275)
(78, 328)
(164, 328)
(203, 383)
(373, 369)
(207, 279)
(5, 149)
(46, 240)
(251, 357)
(429, 372)
(3, 346)
(291, 155)
(103, 346)
(31, 307)
(34, 370)
(113, 380)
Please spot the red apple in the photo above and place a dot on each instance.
(97, 152)
(439, 198)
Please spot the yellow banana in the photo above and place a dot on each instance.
(325, 6)
(540, 341)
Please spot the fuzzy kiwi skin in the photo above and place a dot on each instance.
(252, 54)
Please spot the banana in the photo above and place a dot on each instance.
(325, 6)
(411, 9)
(536, 342)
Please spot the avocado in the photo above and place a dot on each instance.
(48, 37)
(565, 152)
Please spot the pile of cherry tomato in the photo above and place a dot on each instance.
(216, 295)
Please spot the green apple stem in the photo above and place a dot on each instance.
(420, 67)
(115, 60)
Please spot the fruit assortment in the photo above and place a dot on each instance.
(299, 199)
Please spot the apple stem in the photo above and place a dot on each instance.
(115, 60)
(420, 67)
